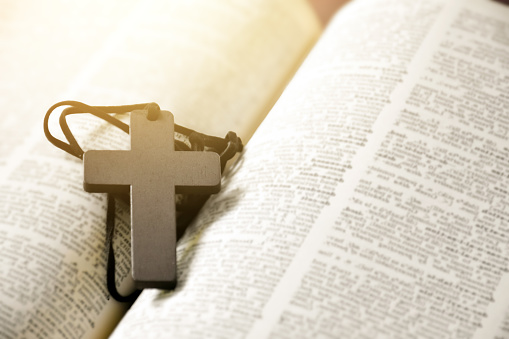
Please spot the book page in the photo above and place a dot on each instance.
(416, 247)
(217, 66)
(370, 203)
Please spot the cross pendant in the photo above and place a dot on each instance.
(154, 171)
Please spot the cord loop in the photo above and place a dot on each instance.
(185, 140)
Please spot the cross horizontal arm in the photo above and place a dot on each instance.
(107, 171)
(197, 172)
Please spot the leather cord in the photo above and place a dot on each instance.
(187, 206)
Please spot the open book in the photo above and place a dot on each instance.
(372, 201)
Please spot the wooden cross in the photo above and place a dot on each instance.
(155, 172)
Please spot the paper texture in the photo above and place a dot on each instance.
(217, 66)
(370, 202)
